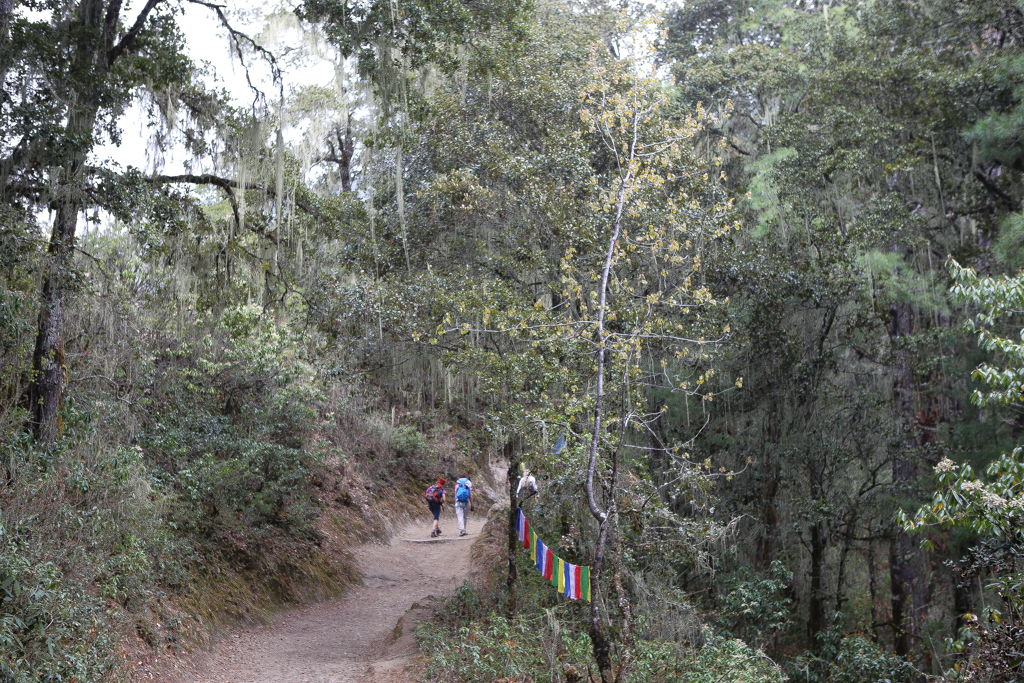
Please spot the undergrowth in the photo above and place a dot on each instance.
(471, 641)
(223, 481)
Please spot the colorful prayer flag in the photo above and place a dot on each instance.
(571, 580)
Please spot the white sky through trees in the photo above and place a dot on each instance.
(207, 44)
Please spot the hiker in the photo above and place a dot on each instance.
(435, 500)
(529, 482)
(463, 501)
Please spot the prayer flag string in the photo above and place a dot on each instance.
(571, 580)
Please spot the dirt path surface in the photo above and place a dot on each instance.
(365, 637)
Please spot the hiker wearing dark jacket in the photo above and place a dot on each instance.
(435, 499)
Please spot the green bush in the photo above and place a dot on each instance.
(493, 649)
(408, 440)
(50, 630)
(851, 659)
(228, 437)
(725, 659)
(756, 607)
(99, 529)
(468, 643)
(861, 661)
(249, 484)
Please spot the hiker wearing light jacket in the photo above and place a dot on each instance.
(463, 501)
(528, 482)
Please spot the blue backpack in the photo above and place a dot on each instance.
(462, 490)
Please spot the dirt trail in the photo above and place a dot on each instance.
(365, 637)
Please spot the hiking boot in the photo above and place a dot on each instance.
(438, 531)
(462, 533)
(433, 533)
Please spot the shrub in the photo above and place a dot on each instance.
(408, 440)
(851, 659)
(756, 606)
(732, 659)
(469, 643)
(494, 649)
(50, 631)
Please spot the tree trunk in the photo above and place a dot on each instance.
(904, 556)
(347, 147)
(873, 588)
(965, 596)
(46, 391)
(48, 370)
(764, 547)
(659, 462)
(6, 9)
(901, 578)
(816, 607)
(598, 633)
(49, 374)
(848, 528)
(626, 613)
(598, 636)
(513, 539)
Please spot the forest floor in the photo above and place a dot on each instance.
(365, 637)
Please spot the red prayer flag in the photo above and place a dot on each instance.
(576, 584)
(549, 563)
(526, 534)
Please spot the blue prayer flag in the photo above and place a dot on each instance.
(559, 444)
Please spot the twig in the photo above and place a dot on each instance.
(237, 38)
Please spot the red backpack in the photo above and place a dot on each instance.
(434, 493)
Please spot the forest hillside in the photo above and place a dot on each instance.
(737, 282)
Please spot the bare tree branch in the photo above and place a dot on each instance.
(996, 190)
(207, 179)
(129, 38)
(229, 186)
(237, 39)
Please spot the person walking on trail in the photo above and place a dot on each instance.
(528, 482)
(463, 501)
(435, 500)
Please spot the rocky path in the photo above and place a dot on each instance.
(365, 637)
